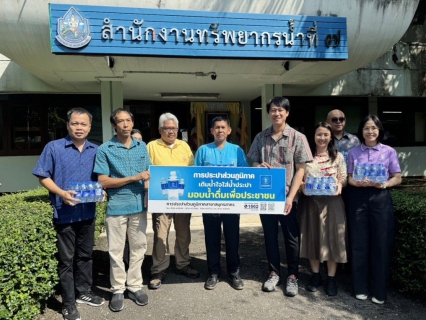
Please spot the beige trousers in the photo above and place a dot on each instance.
(161, 223)
(134, 225)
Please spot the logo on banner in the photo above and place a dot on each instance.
(265, 182)
(73, 30)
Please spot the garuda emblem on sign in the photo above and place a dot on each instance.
(73, 30)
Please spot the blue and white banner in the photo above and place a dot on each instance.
(87, 30)
(216, 190)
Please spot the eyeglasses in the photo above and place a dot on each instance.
(165, 129)
(340, 119)
(280, 110)
(370, 129)
(76, 124)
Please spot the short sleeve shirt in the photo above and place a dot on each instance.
(346, 142)
(322, 166)
(115, 160)
(62, 162)
(230, 155)
(162, 155)
(379, 154)
(290, 149)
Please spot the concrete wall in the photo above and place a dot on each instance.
(412, 161)
(16, 173)
(15, 79)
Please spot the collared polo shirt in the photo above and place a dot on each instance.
(115, 160)
(62, 162)
(290, 149)
(230, 155)
(380, 153)
(346, 143)
(162, 155)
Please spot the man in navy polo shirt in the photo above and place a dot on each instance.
(122, 165)
(66, 160)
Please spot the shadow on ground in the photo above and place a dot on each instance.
(184, 298)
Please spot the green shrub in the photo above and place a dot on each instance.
(409, 267)
(28, 267)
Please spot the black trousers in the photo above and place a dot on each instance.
(75, 247)
(212, 233)
(371, 221)
(291, 233)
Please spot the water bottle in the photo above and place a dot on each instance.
(316, 186)
(309, 186)
(173, 186)
(358, 172)
(332, 186)
(373, 173)
(98, 192)
(366, 169)
(71, 187)
(345, 155)
(84, 192)
(381, 173)
(164, 187)
(78, 195)
(322, 187)
(181, 187)
(92, 191)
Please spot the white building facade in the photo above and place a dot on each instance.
(383, 74)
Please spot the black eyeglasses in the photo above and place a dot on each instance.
(335, 120)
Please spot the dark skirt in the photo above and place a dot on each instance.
(322, 222)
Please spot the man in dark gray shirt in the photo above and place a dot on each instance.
(344, 141)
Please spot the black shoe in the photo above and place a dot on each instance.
(316, 281)
(330, 286)
(70, 313)
(211, 282)
(236, 281)
(117, 302)
(139, 297)
(188, 271)
(90, 298)
(156, 280)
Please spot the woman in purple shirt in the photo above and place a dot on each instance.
(371, 217)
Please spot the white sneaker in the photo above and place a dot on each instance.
(361, 296)
(270, 284)
(377, 301)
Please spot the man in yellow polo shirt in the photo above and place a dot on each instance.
(170, 151)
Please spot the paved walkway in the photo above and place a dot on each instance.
(183, 298)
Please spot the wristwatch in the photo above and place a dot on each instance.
(384, 185)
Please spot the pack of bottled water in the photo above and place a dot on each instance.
(371, 171)
(89, 191)
(320, 186)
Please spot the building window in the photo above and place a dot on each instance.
(404, 121)
(29, 122)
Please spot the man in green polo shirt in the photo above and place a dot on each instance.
(122, 167)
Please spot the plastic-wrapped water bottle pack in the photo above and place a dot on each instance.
(89, 191)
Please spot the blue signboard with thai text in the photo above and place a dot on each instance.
(216, 190)
(80, 29)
